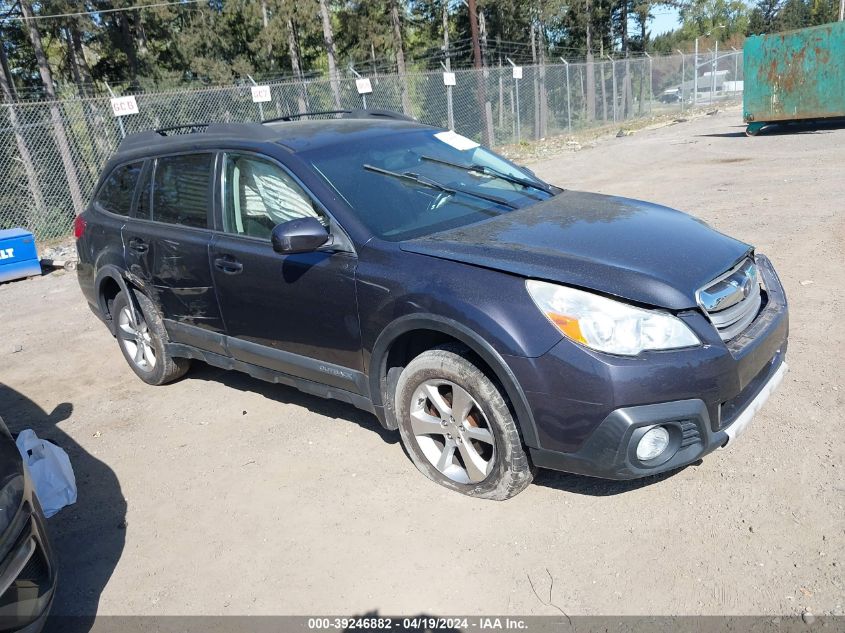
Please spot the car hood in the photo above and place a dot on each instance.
(632, 249)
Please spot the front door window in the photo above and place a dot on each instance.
(259, 195)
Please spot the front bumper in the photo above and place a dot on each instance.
(610, 452)
(27, 571)
(704, 396)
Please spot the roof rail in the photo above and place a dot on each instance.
(380, 114)
(188, 128)
(345, 114)
(177, 133)
(299, 115)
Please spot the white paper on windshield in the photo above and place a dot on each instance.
(461, 143)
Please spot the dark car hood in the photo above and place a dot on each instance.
(636, 250)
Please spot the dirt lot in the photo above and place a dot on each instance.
(225, 495)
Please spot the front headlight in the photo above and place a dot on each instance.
(607, 325)
(4, 430)
(11, 497)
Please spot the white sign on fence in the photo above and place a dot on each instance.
(449, 79)
(517, 72)
(121, 106)
(261, 94)
(364, 86)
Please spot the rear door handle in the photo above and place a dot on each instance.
(228, 265)
(139, 246)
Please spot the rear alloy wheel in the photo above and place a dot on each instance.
(458, 428)
(136, 340)
(142, 338)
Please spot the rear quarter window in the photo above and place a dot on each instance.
(116, 193)
(182, 189)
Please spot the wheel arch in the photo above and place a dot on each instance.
(435, 330)
(109, 281)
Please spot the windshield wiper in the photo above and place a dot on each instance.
(433, 184)
(489, 171)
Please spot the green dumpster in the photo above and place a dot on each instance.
(794, 76)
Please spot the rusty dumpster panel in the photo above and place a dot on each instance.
(795, 75)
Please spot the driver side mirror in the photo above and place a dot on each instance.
(299, 236)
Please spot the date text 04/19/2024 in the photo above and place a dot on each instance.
(418, 623)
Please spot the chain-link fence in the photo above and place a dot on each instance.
(51, 153)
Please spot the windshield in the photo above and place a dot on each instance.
(416, 183)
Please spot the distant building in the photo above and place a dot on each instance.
(705, 84)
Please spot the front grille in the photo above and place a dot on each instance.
(733, 300)
(36, 569)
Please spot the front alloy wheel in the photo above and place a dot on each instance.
(457, 426)
(452, 431)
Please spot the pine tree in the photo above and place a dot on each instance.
(55, 114)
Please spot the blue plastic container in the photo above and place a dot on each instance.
(18, 257)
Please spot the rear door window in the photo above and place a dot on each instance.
(182, 189)
(117, 192)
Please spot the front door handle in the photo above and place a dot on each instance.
(139, 246)
(228, 265)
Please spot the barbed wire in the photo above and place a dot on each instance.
(69, 90)
(40, 170)
(76, 14)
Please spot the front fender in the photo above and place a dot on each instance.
(470, 338)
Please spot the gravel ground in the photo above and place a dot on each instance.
(221, 494)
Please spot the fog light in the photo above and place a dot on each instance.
(653, 442)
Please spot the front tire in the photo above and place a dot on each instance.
(142, 341)
(458, 428)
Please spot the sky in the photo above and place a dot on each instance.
(665, 19)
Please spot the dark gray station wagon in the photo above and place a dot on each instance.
(498, 322)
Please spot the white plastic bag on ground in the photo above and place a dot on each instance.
(51, 472)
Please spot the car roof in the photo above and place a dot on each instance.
(297, 136)
(305, 135)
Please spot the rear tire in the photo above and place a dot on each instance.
(458, 428)
(143, 342)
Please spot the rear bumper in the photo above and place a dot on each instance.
(590, 409)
